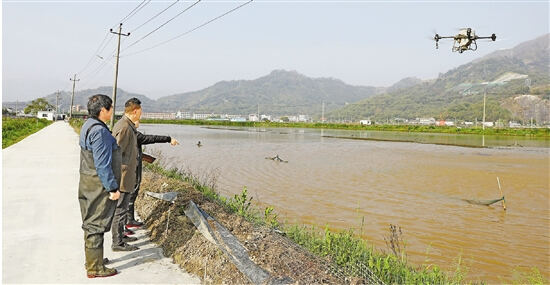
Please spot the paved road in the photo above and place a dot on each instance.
(42, 241)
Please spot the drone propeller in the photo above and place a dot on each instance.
(436, 39)
(490, 39)
(493, 38)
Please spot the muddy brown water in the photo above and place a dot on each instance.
(368, 185)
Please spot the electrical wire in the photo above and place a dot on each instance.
(90, 80)
(102, 65)
(93, 55)
(101, 46)
(177, 15)
(155, 16)
(189, 31)
(133, 12)
(110, 39)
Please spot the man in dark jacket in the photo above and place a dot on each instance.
(98, 188)
(142, 140)
(125, 133)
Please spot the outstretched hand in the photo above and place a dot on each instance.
(174, 142)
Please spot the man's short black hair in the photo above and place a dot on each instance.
(98, 101)
(132, 104)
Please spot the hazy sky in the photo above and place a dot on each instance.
(373, 43)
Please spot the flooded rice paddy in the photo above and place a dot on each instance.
(369, 184)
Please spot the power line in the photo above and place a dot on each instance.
(93, 55)
(96, 72)
(104, 59)
(155, 16)
(102, 47)
(91, 79)
(185, 10)
(190, 31)
(133, 12)
(101, 51)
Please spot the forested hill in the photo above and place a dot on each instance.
(505, 75)
(280, 93)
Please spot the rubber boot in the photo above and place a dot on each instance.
(105, 261)
(94, 264)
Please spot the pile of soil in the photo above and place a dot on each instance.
(273, 252)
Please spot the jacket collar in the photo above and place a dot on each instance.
(99, 121)
(132, 125)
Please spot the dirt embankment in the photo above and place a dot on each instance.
(268, 249)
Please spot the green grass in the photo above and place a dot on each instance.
(16, 129)
(530, 132)
(76, 124)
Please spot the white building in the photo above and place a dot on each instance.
(366, 122)
(426, 121)
(49, 115)
(164, 116)
(201, 116)
(183, 115)
(227, 116)
(293, 118)
(303, 118)
(77, 108)
(513, 124)
(253, 118)
(489, 124)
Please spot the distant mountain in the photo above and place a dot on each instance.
(281, 92)
(403, 83)
(458, 93)
(81, 98)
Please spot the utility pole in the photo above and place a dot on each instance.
(72, 97)
(323, 113)
(56, 103)
(259, 120)
(119, 33)
(484, 93)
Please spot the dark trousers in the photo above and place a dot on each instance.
(119, 219)
(130, 217)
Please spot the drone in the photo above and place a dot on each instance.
(464, 40)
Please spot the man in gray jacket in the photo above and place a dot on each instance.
(126, 136)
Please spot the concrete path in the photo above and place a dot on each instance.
(42, 241)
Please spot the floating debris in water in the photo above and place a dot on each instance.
(277, 158)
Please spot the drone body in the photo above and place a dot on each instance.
(464, 40)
